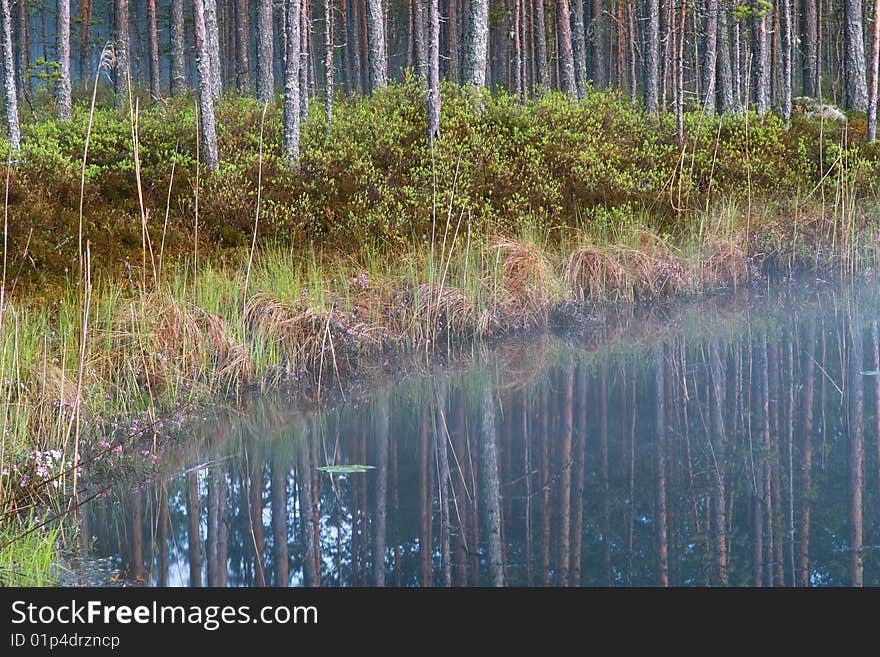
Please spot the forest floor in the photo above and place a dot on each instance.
(176, 285)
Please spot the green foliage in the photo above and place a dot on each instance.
(374, 180)
(27, 553)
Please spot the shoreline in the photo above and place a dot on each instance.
(314, 320)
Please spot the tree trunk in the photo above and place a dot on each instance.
(761, 65)
(491, 489)
(305, 31)
(206, 100)
(719, 494)
(597, 42)
(420, 39)
(164, 525)
(563, 26)
(631, 23)
(433, 71)
(724, 74)
(265, 51)
(579, 46)
(660, 422)
(85, 42)
(875, 72)
(811, 48)
(426, 504)
(279, 524)
(215, 489)
(854, 57)
(291, 85)
(679, 72)
(243, 44)
(328, 63)
(453, 39)
(856, 454)
(542, 68)
(120, 34)
(12, 126)
(255, 513)
(441, 436)
(153, 28)
(565, 463)
(311, 575)
(737, 73)
(376, 42)
(380, 516)
(710, 55)
(604, 483)
(787, 55)
(24, 47)
(178, 49)
(193, 515)
(805, 452)
(652, 57)
(212, 41)
(62, 53)
(477, 43)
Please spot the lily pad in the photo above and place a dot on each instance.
(346, 469)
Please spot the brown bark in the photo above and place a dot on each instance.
(810, 44)
(265, 50)
(542, 68)
(490, 486)
(279, 523)
(164, 526)
(565, 476)
(718, 442)
(433, 94)
(178, 48)
(153, 28)
(856, 454)
(660, 425)
(193, 513)
(242, 45)
(605, 518)
(121, 39)
(545, 490)
(566, 56)
(311, 575)
(85, 36)
(578, 469)
(426, 578)
(62, 53)
(382, 419)
(598, 44)
(805, 450)
(874, 71)
(206, 99)
(854, 57)
(440, 436)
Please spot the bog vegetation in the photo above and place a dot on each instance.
(159, 251)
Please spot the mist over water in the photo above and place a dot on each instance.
(728, 441)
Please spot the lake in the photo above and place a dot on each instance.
(731, 440)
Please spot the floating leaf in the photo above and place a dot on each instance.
(871, 373)
(346, 469)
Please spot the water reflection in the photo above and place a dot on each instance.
(741, 453)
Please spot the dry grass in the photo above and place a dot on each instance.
(295, 329)
(619, 272)
(527, 281)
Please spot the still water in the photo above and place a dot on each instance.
(730, 441)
